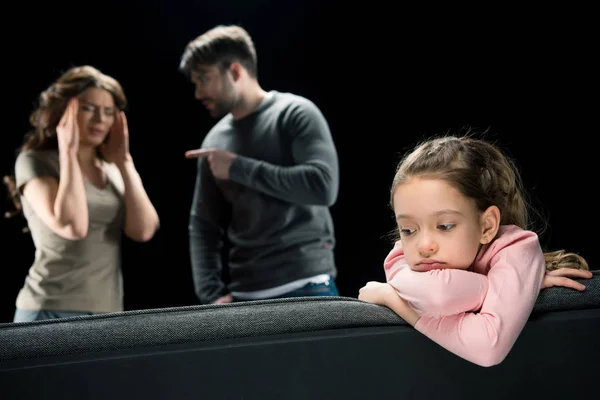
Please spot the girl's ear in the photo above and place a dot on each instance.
(490, 223)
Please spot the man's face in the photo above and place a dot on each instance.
(215, 89)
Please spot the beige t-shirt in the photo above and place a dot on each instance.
(74, 275)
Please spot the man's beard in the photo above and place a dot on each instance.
(226, 103)
(220, 110)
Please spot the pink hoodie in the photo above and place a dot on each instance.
(503, 287)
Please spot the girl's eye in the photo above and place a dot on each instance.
(446, 227)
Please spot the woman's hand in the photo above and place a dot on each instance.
(67, 130)
(116, 148)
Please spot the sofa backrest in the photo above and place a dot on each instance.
(319, 347)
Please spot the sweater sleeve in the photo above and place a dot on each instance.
(515, 276)
(435, 293)
(313, 179)
(209, 215)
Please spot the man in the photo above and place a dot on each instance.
(267, 175)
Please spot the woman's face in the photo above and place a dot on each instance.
(95, 116)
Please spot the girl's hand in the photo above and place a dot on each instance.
(384, 294)
(376, 293)
(560, 277)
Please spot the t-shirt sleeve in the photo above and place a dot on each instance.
(32, 164)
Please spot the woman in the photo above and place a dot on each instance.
(78, 188)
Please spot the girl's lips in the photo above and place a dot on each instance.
(429, 266)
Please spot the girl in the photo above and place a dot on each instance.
(465, 271)
(78, 188)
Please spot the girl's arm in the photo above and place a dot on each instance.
(515, 277)
(435, 293)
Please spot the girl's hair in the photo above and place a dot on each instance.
(482, 172)
(52, 103)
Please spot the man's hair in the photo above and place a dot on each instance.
(220, 46)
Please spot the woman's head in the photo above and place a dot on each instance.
(100, 98)
(450, 195)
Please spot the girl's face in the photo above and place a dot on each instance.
(439, 227)
(95, 116)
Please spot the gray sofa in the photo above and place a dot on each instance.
(303, 348)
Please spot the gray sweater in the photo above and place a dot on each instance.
(274, 209)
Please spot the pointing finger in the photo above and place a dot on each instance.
(198, 153)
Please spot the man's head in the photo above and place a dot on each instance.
(214, 62)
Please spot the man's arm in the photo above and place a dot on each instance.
(314, 177)
(208, 220)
